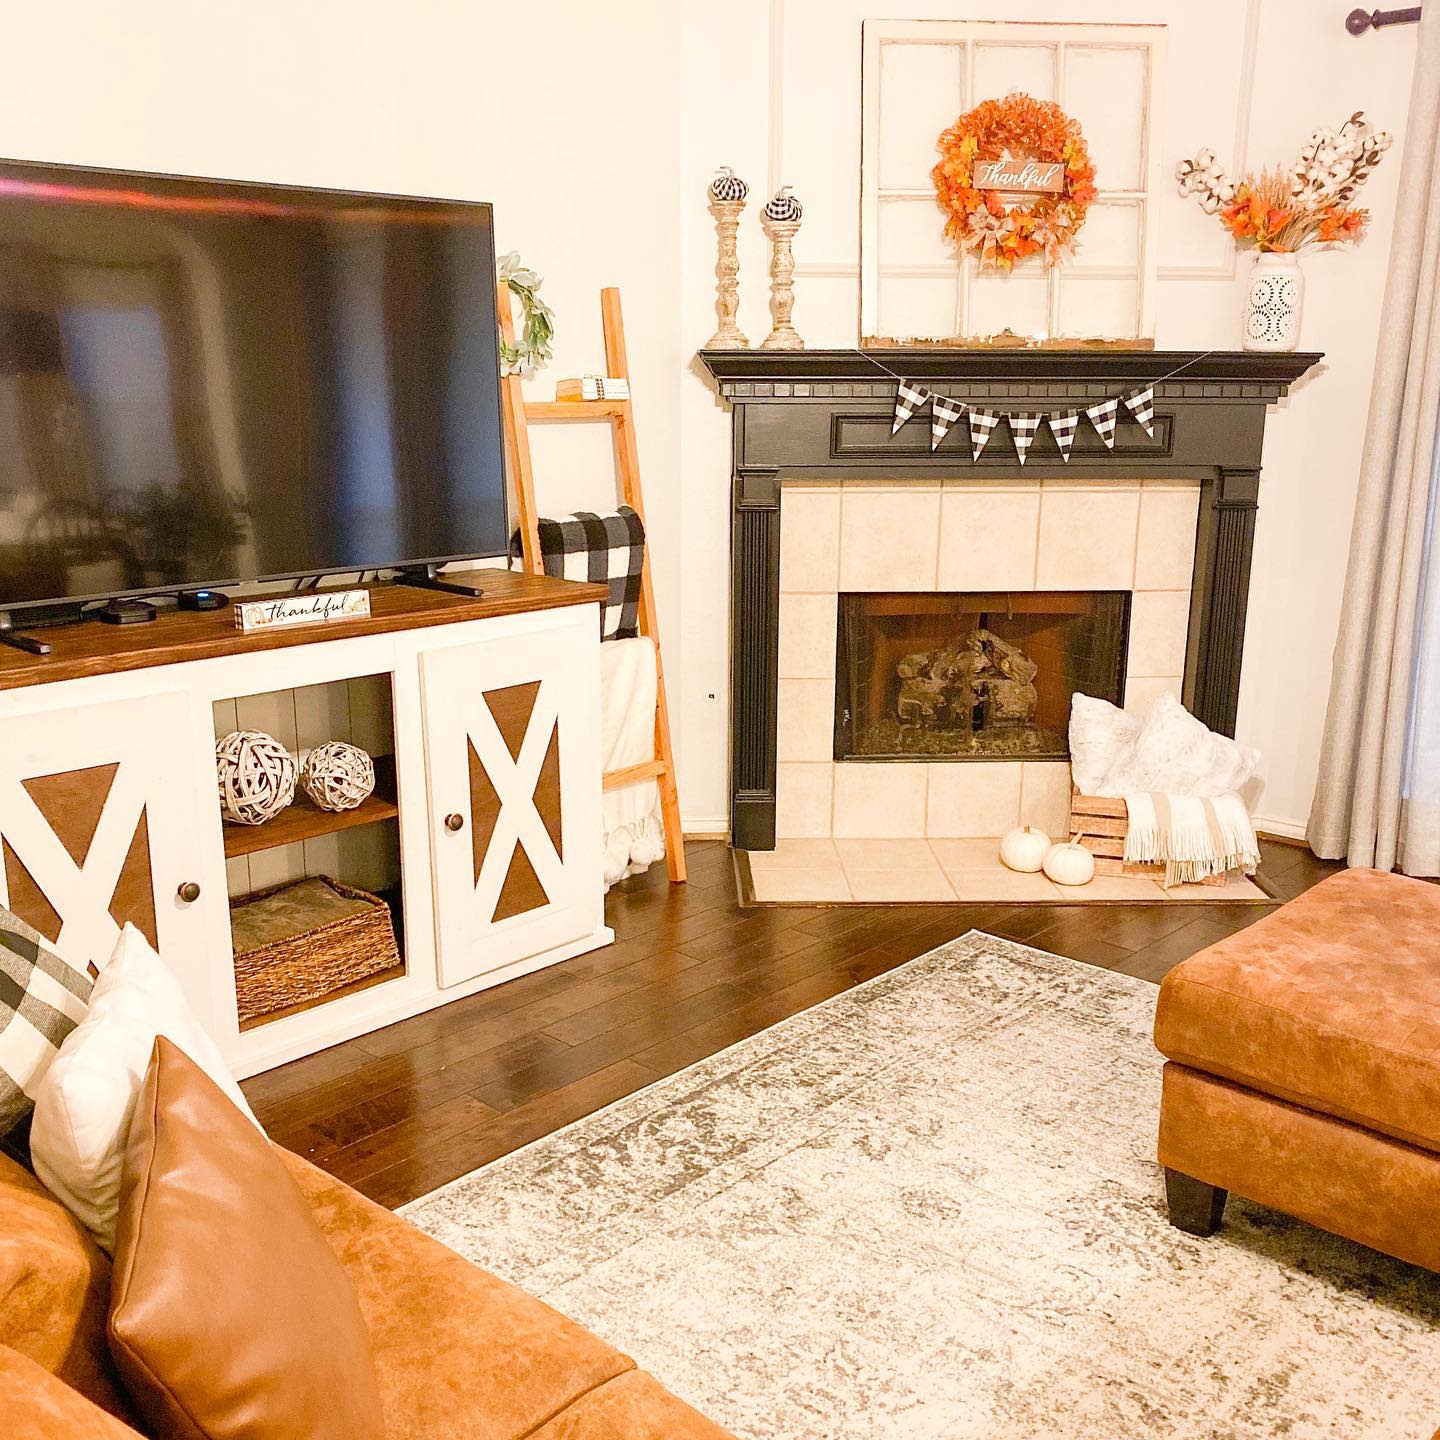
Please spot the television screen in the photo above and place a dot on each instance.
(203, 383)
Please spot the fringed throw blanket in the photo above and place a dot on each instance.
(1193, 838)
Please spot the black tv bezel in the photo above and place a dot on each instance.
(73, 602)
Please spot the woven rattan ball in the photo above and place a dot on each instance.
(257, 776)
(338, 776)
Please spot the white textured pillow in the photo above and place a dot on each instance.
(1176, 754)
(1099, 734)
(86, 1100)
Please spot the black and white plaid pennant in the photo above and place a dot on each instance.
(1022, 430)
(943, 415)
(910, 400)
(1063, 425)
(982, 426)
(1102, 417)
(1141, 404)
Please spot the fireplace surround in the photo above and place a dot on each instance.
(822, 417)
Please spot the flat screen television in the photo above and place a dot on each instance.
(203, 383)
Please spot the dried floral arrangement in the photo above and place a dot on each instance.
(1018, 125)
(1282, 211)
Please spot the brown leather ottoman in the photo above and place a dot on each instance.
(1304, 1067)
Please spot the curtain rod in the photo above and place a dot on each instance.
(1357, 22)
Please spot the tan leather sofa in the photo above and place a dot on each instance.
(458, 1352)
(1304, 1067)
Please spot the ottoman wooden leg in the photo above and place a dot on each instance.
(1195, 1207)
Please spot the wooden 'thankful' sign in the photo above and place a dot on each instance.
(1020, 177)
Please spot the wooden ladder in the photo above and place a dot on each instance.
(519, 415)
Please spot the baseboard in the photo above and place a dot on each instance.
(1271, 827)
(703, 829)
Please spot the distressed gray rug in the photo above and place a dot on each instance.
(929, 1208)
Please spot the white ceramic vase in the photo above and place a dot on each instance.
(1274, 300)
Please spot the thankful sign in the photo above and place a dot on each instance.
(1020, 177)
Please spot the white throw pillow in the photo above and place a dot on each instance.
(86, 1100)
(1176, 754)
(1099, 734)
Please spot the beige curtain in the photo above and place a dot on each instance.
(1367, 764)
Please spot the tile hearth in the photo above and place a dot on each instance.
(874, 871)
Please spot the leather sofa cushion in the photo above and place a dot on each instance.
(1331, 1002)
(54, 1287)
(34, 1405)
(457, 1350)
(632, 1406)
(229, 1315)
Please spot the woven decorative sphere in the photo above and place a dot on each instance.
(727, 185)
(783, 206)
(257, 776)
(338, 776)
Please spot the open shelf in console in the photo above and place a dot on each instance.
(304, 820)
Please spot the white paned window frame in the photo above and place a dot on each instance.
(967, 36)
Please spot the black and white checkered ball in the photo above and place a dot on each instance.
(783, 206)
(727, 185)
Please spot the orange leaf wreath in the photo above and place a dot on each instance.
(978, 222)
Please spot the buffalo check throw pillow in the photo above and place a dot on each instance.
(605, 550)
(42, 999)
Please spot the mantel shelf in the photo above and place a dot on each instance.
(939, 363)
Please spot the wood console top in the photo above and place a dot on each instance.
(176, 636)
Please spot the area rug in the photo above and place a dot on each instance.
(929, 1208)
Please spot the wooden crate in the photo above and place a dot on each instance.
(1099, 823)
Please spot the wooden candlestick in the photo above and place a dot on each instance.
(783, 335)
(729, 336)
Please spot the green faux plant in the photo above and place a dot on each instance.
(532, 348)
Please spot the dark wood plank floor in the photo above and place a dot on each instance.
(405, 1109)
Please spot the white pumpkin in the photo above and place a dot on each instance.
(1070, 863)
(1024, 849)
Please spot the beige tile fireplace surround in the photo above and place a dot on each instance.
(1002, 534)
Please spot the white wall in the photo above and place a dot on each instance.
(782, 80)
(594, 129)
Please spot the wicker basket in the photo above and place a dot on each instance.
(1099, 823)
(296, 944)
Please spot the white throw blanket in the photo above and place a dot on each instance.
(1194, 837)
(634, 835)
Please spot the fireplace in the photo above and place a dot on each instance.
(1166, 514)
(972, 675)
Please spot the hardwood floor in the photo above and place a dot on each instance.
(405, 1109)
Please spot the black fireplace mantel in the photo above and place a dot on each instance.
(826, 414)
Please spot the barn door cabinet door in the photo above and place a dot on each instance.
(512, 736)
(99, 825)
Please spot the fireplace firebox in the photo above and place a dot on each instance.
(975, 675)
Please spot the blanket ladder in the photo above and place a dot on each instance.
(519, 415)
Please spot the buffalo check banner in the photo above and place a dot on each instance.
(1022, 432)
(943, 414)
(912, 398)
(1063, 425)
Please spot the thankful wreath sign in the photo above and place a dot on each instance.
(1015, 179)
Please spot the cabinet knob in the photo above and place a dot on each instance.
(454, 823)
(189, 892)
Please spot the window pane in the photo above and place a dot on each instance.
(1015, 302)
(1105, 90)
(1110, 239)
(999, 69)
(920, 94)
(912, 232)
(919, 309)
(1091, 308)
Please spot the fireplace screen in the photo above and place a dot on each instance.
(973, 676)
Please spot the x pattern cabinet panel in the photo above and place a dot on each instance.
(95, 831)
(508, 722)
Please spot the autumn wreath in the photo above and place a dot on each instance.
(1020, 127)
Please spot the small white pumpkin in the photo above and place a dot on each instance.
(1070, 863)
(1024, 849)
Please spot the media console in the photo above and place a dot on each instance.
(490, 704)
